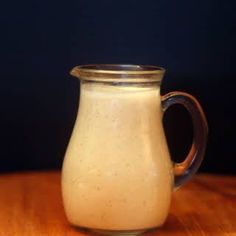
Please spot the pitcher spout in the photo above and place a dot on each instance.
(75, 71)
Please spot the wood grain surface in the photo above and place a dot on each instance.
(31, 205)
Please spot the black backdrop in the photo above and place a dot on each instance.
(42, 40)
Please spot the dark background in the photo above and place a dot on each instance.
(42, 40)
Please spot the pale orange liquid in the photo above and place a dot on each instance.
(117, 174)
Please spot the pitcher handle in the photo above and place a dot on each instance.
(185, 170)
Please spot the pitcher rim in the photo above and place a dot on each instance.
(121, 68)
(118, 72)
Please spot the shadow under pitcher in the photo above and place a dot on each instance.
(117, 175)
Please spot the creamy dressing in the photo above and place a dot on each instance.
(117, 174)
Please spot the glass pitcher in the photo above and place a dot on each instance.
(117, 173)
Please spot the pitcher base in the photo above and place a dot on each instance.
(117, 232)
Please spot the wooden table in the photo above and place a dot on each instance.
(31, 205)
